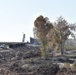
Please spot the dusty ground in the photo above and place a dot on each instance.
(28, 61)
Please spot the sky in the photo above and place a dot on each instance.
(17, 16)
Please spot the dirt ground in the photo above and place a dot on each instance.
(28, 61)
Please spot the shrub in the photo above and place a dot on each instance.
(74, 65)
(67, 65)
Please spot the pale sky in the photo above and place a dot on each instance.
(17, 16)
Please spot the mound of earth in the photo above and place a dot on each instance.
(47, 69)
(66, 71)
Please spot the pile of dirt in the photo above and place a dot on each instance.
(66, 71)
(52, 70)
(30, 54)
(47, 69)
(44, 69)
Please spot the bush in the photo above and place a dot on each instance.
(74, 65)
(67, 65)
